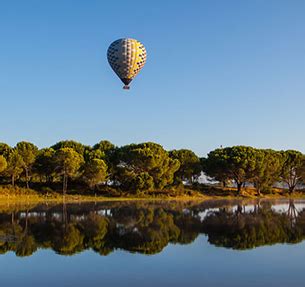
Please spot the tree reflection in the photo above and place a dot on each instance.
(245, 230)
(147, 228)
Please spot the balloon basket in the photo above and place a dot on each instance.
(126, 87)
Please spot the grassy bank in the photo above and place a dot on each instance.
(9, 194)
(23, 195)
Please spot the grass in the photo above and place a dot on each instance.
(16, 195)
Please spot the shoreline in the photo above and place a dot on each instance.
(20, 196)
(57, 199)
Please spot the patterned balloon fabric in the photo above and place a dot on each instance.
(126, 57)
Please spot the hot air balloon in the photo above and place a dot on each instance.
(126, 57)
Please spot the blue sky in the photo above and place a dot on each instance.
(218, 73)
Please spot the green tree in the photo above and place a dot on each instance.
(67, 163)
(5, 150)
(267, 169)
(104, 146)
(107, 152)
(145, 162)
(44, 163)
(293, 169)
(212, 168)
(92, 154)
(232, 163)
(141, 181)
(4, 153)
(94, 172)
(14, 165)
(27, 152)
(190, 167)
(76, 146)
(3, 163)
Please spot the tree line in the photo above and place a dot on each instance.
(147, 166)
(262, 168)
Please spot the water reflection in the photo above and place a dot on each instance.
(147, 228)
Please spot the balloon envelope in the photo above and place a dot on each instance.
(126, 57)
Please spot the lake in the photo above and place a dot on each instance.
(142, 243)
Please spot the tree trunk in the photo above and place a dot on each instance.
(239, 186)
(27, 178)
(64, 184)
(13, 180)
(291, 189)
(258, 190)
(49, 179)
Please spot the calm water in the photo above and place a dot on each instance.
(217, 243)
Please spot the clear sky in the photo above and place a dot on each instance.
(218, 73)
